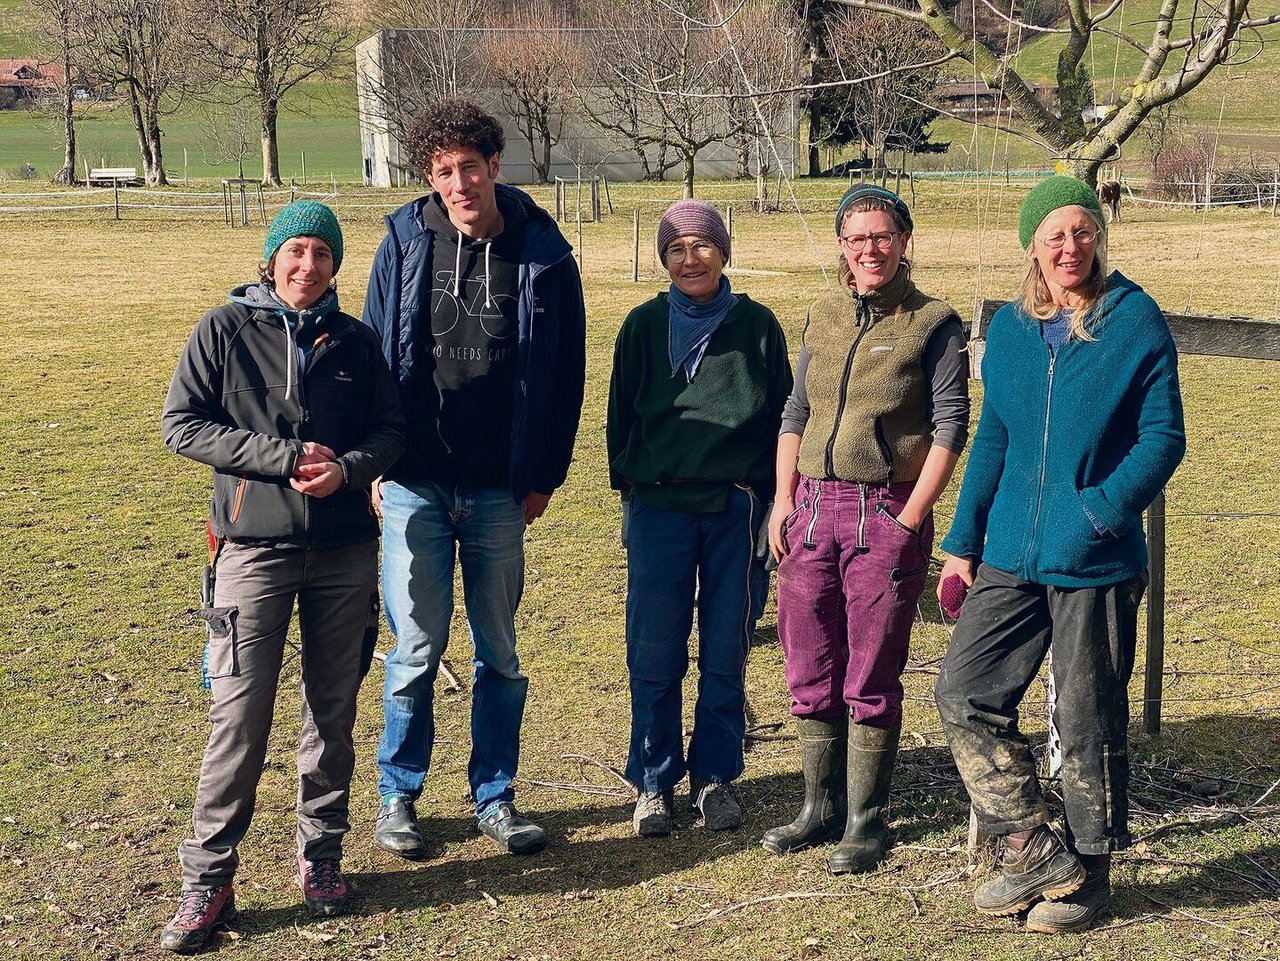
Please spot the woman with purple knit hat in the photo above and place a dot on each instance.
(700, 378)
(870, 435)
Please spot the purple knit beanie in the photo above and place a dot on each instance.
(692, 218)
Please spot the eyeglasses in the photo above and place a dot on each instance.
(1084, 237)
(857, 242)
(675, 254)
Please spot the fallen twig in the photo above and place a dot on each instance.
(741, 905)
(607, 768)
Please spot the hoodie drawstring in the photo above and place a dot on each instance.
(488, 301)
(291, 360)
(457, 267)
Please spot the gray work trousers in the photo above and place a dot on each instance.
(1005, 629)
(253, 603)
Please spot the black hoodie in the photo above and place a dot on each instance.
(463, 409)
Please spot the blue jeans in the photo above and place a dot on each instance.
(424, 528)
(670, 555)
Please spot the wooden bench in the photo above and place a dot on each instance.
(113, 176)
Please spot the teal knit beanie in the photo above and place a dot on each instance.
(1046, 197)
(859, 191)
(305, 218)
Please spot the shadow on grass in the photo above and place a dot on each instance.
(928, 801)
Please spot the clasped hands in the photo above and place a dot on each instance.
(316, 473)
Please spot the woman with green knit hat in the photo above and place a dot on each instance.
(290, 402)
(1081, 427)
(870, 435)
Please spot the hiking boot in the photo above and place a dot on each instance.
(199, 915)
(1079, 910)
(719, 804)
(513, 832)
(821, 817)
(1043, 869)
(323, 890)
(869, 762)
(654, 816)
(397, 828)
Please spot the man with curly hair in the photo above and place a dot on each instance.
(478, 301)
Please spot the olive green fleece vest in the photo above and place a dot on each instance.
(868, 399)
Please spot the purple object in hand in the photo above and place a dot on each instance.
(952, 595)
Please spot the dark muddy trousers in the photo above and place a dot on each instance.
(1005, 630)
(847, 595)
(253, 604)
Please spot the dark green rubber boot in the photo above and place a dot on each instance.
(872, 752)
(821, 817)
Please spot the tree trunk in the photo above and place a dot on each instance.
(688, 174)
(544, 168)
(270, 143)
(815, 123)
(155, 147)
(140, 129)
(67, 175)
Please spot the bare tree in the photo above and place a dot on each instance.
(888, 108)
(607, 96)
(1190, 40)
(678, 65)
(59, 32)
(429, 50)
(144, 46)
(530, 55)
(764, 42)
(231, 135)
(271, 46)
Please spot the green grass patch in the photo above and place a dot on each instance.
(104, 719)
(317, 126)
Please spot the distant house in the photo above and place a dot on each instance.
(973, 98)
(22, 79)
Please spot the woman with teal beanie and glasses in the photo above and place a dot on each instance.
(289, 401)
(1081, 427)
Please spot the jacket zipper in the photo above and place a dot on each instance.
(239, 501)
(1044, 456)
(830, 464)
(885, 451)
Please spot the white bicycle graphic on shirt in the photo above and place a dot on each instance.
(447, 309)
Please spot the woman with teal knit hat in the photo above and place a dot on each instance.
(1081, 427)
(870, 435)
(290, 402)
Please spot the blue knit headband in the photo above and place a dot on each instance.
(860, 191)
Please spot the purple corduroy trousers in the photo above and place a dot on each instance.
(847, 594)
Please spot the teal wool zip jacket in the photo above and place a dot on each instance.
(1072, 446)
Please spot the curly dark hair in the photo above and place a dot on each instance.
(452, 124)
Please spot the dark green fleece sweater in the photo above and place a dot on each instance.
(683, 445)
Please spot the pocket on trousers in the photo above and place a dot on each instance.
(220, 624)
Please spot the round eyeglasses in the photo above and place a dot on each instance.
(676, 254)
(856, 242)
(1084, 237)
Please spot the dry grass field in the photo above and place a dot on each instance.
(102, 717)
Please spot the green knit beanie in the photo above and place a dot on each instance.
(1046, 197)
(305, 218)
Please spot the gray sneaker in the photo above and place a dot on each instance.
(397, 829)
(719, 804)
(654, 816)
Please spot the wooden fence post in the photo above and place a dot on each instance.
(635, 246)
(1153, 686)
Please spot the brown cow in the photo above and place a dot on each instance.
(1109, 194)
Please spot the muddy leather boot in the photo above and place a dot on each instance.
(872, 752)
(821, 817)
(1079, 910)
